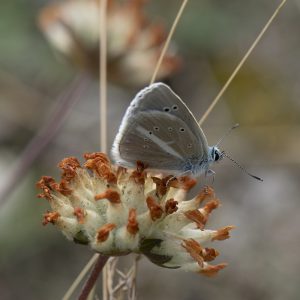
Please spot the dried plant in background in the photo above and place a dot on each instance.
(47, 131)
(133, 46)
(118, 211)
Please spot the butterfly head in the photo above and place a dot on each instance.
(216, 153)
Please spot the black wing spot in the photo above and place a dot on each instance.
(166, 109)
(181, 129)
(189, 146)
(150, 132)
(175, 107)
(156, 128)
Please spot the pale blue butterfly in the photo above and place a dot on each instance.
(159, 130)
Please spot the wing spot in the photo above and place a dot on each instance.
(170, 129)
(150, 132)
(156, 128)
(146, 140)
(189, 146)
(175, 107)
(181, 129)
(166, 109)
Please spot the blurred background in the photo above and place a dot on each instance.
(49, 109)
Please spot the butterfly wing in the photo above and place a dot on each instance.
(159, 130)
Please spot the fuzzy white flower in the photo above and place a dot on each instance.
(117, 212)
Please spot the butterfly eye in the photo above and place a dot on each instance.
(217, 156)
(166, 109)
(175, 107)
(182, 129)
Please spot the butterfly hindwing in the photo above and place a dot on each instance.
(160, 141)
(158, 96)
(159, 130)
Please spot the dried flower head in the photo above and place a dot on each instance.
(117, 211)
(133, 42)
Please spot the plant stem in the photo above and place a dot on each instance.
(88, 286)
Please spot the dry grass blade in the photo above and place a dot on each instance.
(103, 76)
(239, 66)
(168, 40)
(79, 278)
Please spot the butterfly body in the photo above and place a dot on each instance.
(159, 130)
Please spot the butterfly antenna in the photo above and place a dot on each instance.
(243, 169)
(227, 133)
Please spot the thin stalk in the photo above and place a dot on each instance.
(90, 283)
(79, 278)
(103, 100)
(168, 40)
(103, 76)
(241, 63)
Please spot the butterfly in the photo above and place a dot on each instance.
(159, 130)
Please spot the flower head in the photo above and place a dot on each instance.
(117, 211)
(133, 42)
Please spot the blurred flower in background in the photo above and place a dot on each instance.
(133, 46)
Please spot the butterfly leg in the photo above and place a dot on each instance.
(211, 173)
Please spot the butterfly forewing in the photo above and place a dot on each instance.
(159, 130)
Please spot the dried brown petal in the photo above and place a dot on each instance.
(197, 217)
(155, 209)
(211, 205)
(209, 254)
(139, 174)
(171, 206)
(223, 233)
(69, 166)
(111, 195)
(211, 271)
(103, 232)
(195, 250)
(80, 214)
(50, 217)
(184, 182)
(46, 183)
(132, 225)
(205, 194)
(162, 185)
(63, 188)
(100, 164)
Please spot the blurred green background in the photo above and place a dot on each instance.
(37, 262)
